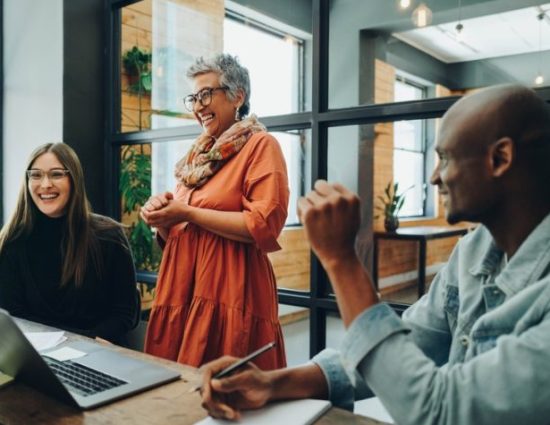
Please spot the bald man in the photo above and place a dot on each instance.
(476, 348)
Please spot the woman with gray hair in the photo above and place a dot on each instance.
(216, 290)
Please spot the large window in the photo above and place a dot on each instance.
(274, 91)
(328, 81)
(409, 148)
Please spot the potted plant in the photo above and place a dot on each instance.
(390, 205)
(137, 66)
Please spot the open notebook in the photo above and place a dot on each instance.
(374, 409)
(295, 412)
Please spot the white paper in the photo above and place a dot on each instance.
(374, 409)
(5, 379)
(45, 340)
(64, 354)
(294, 412)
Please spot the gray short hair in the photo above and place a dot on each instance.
(232, 75)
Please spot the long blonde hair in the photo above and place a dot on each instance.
(80, 238)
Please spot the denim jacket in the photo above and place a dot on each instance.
(474, 350)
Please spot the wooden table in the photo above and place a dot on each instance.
(420, 234)
(168, 404)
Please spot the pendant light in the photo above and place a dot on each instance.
(422, 16)
(459, 27)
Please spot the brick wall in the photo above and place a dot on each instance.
(136, 31)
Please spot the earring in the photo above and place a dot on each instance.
(237, 115)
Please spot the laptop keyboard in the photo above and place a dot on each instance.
(80, 379)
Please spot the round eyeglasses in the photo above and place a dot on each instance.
(36, 175)
(204, 96)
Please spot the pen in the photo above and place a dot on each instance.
(239, 363)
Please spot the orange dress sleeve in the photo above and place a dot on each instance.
(266, 193)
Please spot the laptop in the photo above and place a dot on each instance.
(101, 376)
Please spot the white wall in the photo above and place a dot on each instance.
(33, 85)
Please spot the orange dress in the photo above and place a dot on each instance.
(216, 296)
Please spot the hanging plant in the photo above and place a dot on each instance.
(137, 65)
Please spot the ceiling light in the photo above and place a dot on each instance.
(289, 39)
(422, 16)
(403, 4)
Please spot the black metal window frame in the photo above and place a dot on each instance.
(2, 111)
(319, 300)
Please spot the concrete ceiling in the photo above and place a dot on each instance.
(386, 16)
(499, 34)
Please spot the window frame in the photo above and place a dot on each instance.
(423, 151)
(2, 112)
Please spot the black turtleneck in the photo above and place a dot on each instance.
(45, 261)
(104, 305)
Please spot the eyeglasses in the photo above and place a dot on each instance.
(55, 174)
(204, 97)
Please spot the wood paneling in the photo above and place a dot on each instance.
(402, 256)
(291, 263)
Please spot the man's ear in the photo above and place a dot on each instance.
(502, 155)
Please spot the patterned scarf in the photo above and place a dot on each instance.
(208, 155)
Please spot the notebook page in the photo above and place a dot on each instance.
(295, 412)
(374, 409)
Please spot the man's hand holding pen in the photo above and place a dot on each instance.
(244, 387)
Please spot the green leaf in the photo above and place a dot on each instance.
(399, 204)
(146, 81)
(387, 191)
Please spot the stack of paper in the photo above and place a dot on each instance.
(44, 340)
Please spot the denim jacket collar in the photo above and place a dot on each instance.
(527, 264)
(488, 262)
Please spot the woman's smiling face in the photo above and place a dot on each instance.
(51, 192)
(219, 115)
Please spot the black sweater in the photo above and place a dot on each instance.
(105, 305)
